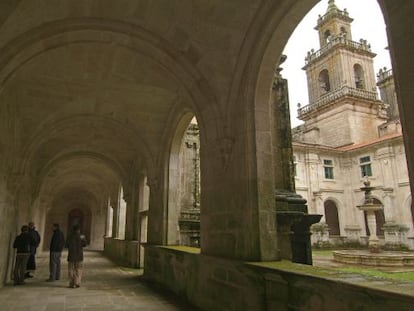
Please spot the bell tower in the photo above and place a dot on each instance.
(341, 84)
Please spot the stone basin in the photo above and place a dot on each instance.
(384, 258)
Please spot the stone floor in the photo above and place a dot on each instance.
(105, 287)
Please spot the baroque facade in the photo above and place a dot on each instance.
(349, 135)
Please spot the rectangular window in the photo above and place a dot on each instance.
(365, 165)
(328, 169)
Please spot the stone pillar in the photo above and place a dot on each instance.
(238, 216)
(388, 198)
(293, 222)
(282, 136)
(156, 213)
(109, 220)
(131, 227)
(115, 220)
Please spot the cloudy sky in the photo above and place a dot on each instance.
(368, 24)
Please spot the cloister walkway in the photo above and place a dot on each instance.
(105, 287)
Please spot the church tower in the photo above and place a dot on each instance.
(343, 102)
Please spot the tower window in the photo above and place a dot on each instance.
(359, 77)
(327, 36)
(328, 169)
(324, 81)
(365, 165)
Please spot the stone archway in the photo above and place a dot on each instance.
(80, 216)
(331, 217)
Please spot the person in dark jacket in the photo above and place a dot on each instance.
(22, 244)
(56, 246)
(31, 263)
(75, 244)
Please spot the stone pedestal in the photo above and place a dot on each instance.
(369, 207)
(373, 241)
(293, 225)
(395, 236)
(301, 239)
(320, 234)
(353, 234)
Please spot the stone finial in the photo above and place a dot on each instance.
(331, 6)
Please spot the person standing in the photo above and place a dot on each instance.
(22, 244)
(75, 244)
(31, 263)
(56, 246)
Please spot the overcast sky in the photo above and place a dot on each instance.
(368, 24)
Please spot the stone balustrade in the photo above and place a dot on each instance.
(330, 97)
(334, 42)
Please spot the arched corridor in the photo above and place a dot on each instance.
(105, 287)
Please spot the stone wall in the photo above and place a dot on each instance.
(213, 283)
(124, 253)
(8, 231)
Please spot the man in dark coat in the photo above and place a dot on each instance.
(56, 246)
(22, 244)
(31, 263)
(75, 244)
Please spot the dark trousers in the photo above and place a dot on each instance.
(54, 265)
(31, 263)
(20, 267)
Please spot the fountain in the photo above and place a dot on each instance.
(374, 256)
(370, 208)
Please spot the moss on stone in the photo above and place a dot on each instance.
(187, 249)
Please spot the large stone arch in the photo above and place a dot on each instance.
(194, 90)
(65, 32)
(59, 127)
(174, 177)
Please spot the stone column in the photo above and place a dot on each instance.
(281, 134)
(388, 198)
(131, 216)
(293, 220)
(156, 212)
(115, 220)
(109, 220)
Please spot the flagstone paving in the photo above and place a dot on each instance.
(105, 287)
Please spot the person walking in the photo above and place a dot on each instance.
(22, 244)
(75, 244)
(56, 246)
(31, 262)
